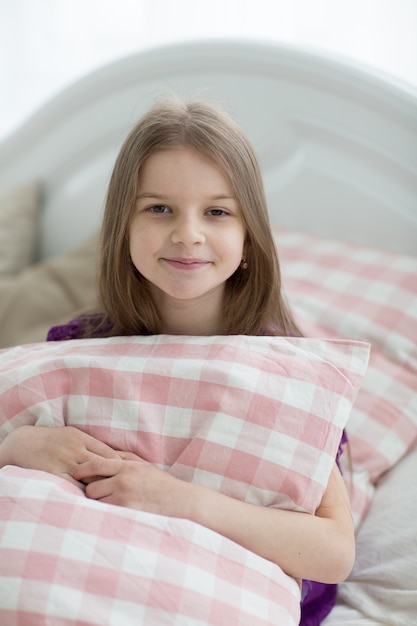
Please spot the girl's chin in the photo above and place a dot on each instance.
(187, 296)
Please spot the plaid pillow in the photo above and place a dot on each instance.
(342, 290)
(256, 418)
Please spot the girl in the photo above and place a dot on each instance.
(186, 248)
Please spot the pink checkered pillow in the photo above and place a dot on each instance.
(350, 291)
(257, 418)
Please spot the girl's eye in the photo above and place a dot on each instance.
(217, 212)
(158, 208)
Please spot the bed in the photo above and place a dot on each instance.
(337, 145)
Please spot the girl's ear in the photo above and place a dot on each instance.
(246, 252)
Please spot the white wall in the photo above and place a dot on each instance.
(46, 44)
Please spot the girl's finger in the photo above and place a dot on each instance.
(96, 467)
(129, 456)
(99, 490)
(102, 449)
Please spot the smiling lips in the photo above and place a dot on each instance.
(186, 264)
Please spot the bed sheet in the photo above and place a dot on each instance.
(383, 583)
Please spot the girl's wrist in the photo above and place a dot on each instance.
(12, 444)
(201, 505)
(188, 501)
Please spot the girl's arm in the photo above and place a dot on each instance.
(54, 450)
(317, 547)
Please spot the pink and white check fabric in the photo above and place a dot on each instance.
(342, 290)
(258, 418)
(67, 560)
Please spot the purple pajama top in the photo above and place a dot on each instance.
(317, 599)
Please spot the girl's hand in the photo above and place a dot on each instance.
(317, 547)
(132, 482)
(56, 450)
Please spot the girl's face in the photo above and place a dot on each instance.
(187, 234)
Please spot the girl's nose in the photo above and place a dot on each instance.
(188, 231)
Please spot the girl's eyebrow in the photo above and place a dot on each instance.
(159, 196)
(222, 196)
(151, 194)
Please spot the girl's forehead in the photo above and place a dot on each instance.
(177, 152)
(183, 160)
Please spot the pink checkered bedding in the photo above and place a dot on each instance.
(342, 290)
(69, 560)
(257, 418)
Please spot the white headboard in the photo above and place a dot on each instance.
(337, 144)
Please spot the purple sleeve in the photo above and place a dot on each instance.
(91, 325)
(71, 330)
(342, 444)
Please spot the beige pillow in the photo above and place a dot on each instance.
(46, 294)
(19, 209)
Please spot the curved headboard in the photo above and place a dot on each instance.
(337, 144)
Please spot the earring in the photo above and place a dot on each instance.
(244, 264)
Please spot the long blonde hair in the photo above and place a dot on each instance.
(253, 302)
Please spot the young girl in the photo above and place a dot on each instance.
(186, 248)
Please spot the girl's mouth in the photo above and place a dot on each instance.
(186, 264)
